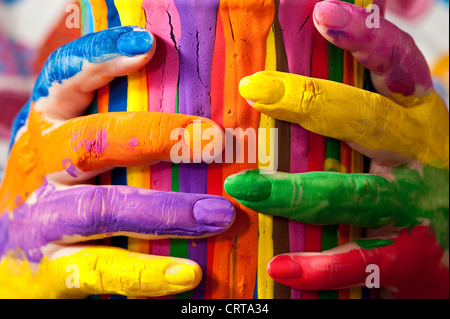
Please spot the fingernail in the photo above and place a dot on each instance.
(134, 43)
(262, 87)
(284, 267)
(331, 15)
(215, 212)
(182, 273)
(250, 186)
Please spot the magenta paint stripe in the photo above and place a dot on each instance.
(162, 72)
(162, 82)
(298, 32)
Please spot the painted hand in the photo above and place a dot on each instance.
(404, 130)
(48, 215)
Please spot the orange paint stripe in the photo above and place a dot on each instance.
(100, 13)
(235, 252)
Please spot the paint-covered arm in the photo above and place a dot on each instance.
(403, 129)
(49, 210)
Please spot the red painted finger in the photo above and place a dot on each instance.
(397, 65)
(408, 265)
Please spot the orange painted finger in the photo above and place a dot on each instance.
(104, 141)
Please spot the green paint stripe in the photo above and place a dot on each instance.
(329, 241)
(83, 17)
(178, 247)
(329, 236)
(333, 151)
(175, 178)
(335, 63)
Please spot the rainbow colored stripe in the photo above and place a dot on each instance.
(222, 44)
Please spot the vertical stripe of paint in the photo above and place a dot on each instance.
(113, 15)
(99, 15)
(132, 14)
(298, 34)
(333, 157)
(215, 186)
(357, 159)
(344, 231)
(83, 17)
(316, 156)
(163, 21)
(346, 164)
(245, 34)
(196, 47)
(89, 17)
(281, 225)
(100, 18)
(118, 95)
(265, 285)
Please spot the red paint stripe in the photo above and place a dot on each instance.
(316, 157)
(215, 179)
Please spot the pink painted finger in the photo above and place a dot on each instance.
(397, 65)
(408, 265)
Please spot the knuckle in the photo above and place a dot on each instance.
(91, 208)
(311, 92)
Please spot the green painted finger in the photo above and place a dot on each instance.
(322, 198)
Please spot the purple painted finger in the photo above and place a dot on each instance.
(397, 65)
(87, 212)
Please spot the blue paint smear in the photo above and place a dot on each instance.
(68, 61)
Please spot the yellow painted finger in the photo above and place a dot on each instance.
(339, 111)
(99, 270)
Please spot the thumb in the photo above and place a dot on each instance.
(67, 83)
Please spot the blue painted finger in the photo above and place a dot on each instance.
(72, 73)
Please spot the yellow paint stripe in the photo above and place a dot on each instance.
(132, 14)
(266, 288)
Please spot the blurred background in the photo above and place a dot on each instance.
(31, 29)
